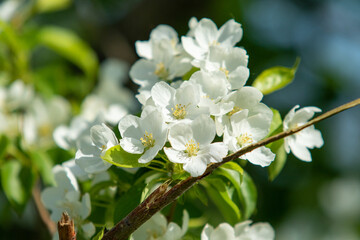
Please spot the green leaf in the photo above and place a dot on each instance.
(128, 201)
(233, 166)
(199, 194)
(248, 196)
(278, 164)
(275, 78)
(67, 44)
(119, 157)
(276, 123)
(4, 143)
(219, 194)
(53, 5)
(17, 182)
(44, 165)
(99, 235)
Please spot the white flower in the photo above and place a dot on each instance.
(241, 231)
(163, 67)
(145, 135)
(67, 137)
(191, 145)
(206, 34)
(162, 33)
(232, 61)
(66, 196)
(157, 228)
(246, 130)
(245, 98)
(177, 104)
(309, 137)
(88, 157)
(214, 86)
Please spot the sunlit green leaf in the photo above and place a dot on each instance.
(119, 157)
(233, 166)
(275, 78)
(277, 165)
(189, 73)
(53, 5)
(99, 235)
(219, 194)
(67, 44)
(17, 182)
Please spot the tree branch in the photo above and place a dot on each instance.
(161, 198)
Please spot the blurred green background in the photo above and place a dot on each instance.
(318, 200)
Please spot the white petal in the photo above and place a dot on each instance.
(132, 145)
(176, 156)
(102, 135)
(305, 114)
(230, 33)
(217, 151)
(261, 156)
(196, 166)
(150, 154)
(126, 122)
(299, 150)
(206, 232)
(192, 48)
(179, 135)
(143, 49)
(203, 128)
(223, 232)
(205, 32)
(162, 94)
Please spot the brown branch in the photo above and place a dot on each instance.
(66, 228)
(159, 198)
(43, 213)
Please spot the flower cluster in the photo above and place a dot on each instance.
(196, 110)
(189, 113)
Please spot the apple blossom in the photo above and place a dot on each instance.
(246, 130)
(146, 135)
(309, 137)
(191, 145)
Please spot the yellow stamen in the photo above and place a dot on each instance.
(179, 112)
(161, 71)
(224, 70)
(148, 141)
(192, 148)
(235, 110)
(214, 43)
(244, 139)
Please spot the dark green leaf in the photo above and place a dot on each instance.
(248, 196)
(219, 194)
(117, 156)
(17, 182)
(128, 201)
(200, 194)
(277, 165)
(4, 142)
(275, 78)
